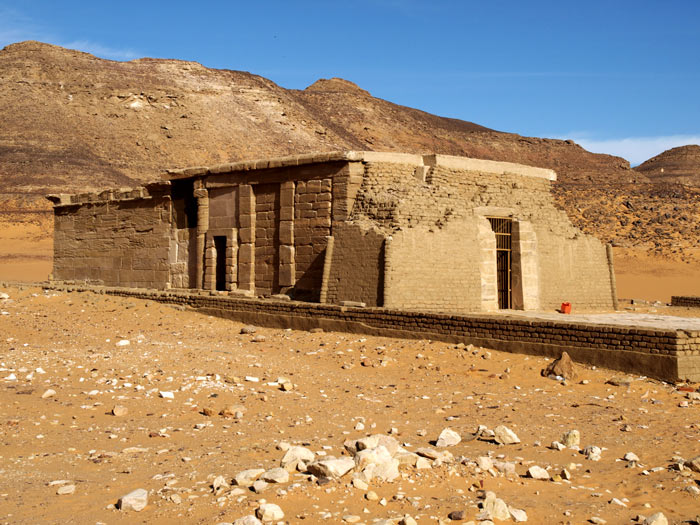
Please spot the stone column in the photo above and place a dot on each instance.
(611, 269)
(246, 236)
(202, 196)
(232, 260)
(487, 265)
(209, 263)
(327, 261)
(287, 269)
(387, 295)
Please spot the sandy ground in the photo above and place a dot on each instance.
(70, 343)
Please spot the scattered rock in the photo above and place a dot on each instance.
(331, 468)
(619, 381)
(236, 411)
(135, 500)
(505, 436)
(494, 508)
(259, 486)
(563, 367)
(571, 439)
(657, 518)
(247, 477)
(269, 512)
(119, 411)
(219, 484)
(518, 515)
(295, 457)
(276, 475)
(693, 464)
(249, 329)
(247, 520)
(65, 489)
(457, 515)
(631, 456)
(49, 393)
(593, 453)
(448, 438)
(166, 395)
(536, 472)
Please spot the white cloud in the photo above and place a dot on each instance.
(634, 149)
(99, 50)
(15, 27)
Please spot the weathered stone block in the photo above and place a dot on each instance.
(286, 254)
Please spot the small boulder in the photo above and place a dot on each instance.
(135, 500)
(536, 472)
(571, 439)
(269, 512)
(296, 456)
(276, 475)
(119, 411)
(657, 518)
(448, 438)
(563, 367)
(331, 468)
(247, 520)
(247, 477)
(505, 436)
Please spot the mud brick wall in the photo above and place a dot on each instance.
(114, 242)
(434, 269)
(357, 265)
(685, 300)
(312, 226)
(664, 354)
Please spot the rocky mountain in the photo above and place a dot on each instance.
(680, 164)
(71, 121)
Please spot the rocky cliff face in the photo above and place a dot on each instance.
(680, 164)
(72, 122)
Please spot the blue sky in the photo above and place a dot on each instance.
(620, 77)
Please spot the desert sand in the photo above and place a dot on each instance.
(174, 371)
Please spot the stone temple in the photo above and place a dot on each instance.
(433, 233)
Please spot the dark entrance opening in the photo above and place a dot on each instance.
(503, 228)
(220, 246)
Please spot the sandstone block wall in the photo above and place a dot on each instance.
(357, 265)
(116, 242)
(267, 197)
(313, 201)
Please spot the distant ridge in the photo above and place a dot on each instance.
(681, 164)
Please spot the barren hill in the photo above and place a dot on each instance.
(680, 164)
(72, 121)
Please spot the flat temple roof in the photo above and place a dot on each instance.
(447, 161)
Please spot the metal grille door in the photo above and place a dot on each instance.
(503, 229)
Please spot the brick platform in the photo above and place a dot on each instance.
(685, 300)
(667, 354)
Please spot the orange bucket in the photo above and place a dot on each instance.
(565, 308)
